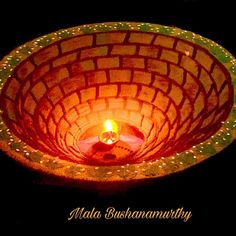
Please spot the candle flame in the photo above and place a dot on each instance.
(110, 125)
(110, 133)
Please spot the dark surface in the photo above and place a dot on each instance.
(206, 189)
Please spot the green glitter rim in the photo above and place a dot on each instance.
(50, 164)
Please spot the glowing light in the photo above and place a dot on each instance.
(110, 125)
(110, 133)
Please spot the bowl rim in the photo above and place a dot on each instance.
(45, 163)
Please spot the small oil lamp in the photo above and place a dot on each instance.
(110, 134)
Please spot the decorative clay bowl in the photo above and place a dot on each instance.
(170, 91)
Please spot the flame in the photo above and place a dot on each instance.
(110, 133)
(110, 125)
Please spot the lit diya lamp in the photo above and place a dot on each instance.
(111, 144)
(110, 133)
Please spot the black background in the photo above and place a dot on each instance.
(206, 189)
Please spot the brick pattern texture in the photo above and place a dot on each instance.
(174, 92)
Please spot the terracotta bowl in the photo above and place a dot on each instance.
(170, 91)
